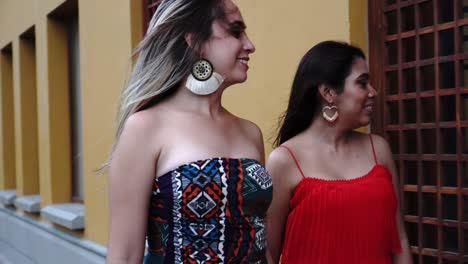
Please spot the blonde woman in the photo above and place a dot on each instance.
(185, 173)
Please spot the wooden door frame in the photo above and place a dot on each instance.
(376, 57)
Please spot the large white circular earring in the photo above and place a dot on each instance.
(203, 80)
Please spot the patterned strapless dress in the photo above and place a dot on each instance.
(210, 211)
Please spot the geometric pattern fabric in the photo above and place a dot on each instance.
(210, 211)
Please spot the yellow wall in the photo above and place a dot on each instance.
(358, 34)
(358, 17)
(282, 32)
(106, 41)
(106, 45)
(27, 169)
(7, 126)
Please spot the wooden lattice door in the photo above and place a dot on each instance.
(419, 62)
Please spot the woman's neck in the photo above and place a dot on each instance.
(331, 134)
(210, 105)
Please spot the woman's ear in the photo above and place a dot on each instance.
(190, 43)
(189, 39)
(328, 94)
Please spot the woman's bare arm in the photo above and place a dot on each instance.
(385, 157)
(130, 182)
(279, 167)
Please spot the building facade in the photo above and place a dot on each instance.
(63, 64)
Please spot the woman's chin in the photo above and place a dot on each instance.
(365, 122)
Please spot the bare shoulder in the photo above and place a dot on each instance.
(138, 121)
(140, 124)
(380, 143)
(250, 128)
(382, 149)
(281, 163)
(140, 131)
(279, 158)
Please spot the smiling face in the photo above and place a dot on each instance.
(228, 48)
(356, 102)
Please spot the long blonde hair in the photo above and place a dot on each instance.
(164, 57)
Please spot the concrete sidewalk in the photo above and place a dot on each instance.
(4, 260)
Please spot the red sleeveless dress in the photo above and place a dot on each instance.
(342, 221)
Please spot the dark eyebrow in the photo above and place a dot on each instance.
(238, 24)
(364, 76)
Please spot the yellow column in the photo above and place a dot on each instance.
(358, 31)
(59, 111)
(106, 42)
(7, 134)
(26, 115)
(53, 115)
(358, 23)
(17, 118)
(136, 25)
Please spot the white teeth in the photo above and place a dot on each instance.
(243, 61)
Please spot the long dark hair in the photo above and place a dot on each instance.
(329, 63)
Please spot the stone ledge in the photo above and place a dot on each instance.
(7, 197)
(69, 215)
(29, 203)
(41, 242)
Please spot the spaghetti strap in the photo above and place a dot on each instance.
(373, 150)
(295, 160)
